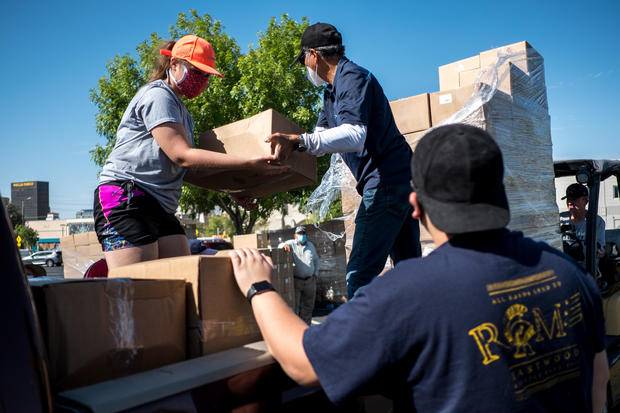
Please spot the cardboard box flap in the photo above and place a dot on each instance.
(142, 388)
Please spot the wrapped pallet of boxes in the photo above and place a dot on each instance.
(219, 317)
(246, 138)
(509, 101)
(79, 251)
(97, 330)
(502, 91)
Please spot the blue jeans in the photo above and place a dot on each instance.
(383, 226)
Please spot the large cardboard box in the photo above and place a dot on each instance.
(246, 138)
(219, 316)
(251, 241)
(411, 114)
(449, 73)
(97, 330)
(447, 102)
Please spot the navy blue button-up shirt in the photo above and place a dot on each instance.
(355, 97)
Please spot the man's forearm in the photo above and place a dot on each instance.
(283, 333)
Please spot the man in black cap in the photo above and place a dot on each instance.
(305, 272)
(489, 321)
(573, 224)
(357, 122)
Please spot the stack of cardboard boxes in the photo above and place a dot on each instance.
(79, 251)
(502, 91)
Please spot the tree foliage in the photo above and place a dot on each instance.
(28, 235)
(15, 216)
(253, 82)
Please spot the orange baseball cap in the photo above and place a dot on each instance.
(196, 51)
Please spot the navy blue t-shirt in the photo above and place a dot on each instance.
(493, 324)
(357, 98)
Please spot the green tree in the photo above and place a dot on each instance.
(252, 83)
(28, 235)
(15, 216)
(221, 224)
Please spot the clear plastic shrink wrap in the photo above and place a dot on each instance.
(509, 101)
(520, 124)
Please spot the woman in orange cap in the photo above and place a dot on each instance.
(140, 184)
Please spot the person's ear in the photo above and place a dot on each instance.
(417, 209)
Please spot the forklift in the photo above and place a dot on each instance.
(592, 173)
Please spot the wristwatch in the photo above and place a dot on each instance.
(300, 145)
(259, 288)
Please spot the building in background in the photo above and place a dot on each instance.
(50, 231)
(84, 213)
(31, 198)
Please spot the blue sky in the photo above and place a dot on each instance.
(55, 52)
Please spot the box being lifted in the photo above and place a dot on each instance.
(246, 138)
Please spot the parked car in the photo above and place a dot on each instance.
(217, 244)
(48, 258)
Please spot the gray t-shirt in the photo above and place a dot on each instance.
(580, 231)
(137, 156)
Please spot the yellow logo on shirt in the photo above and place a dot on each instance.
(523, 327)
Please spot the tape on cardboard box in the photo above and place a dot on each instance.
(97, 330)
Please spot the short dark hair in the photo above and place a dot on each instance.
(331, 51)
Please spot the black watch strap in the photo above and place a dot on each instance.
(259, 288)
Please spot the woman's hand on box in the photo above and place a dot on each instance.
(267, 165)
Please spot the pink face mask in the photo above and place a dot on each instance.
(191, 84)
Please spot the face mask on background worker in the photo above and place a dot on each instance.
(301, 238)
(192, 83)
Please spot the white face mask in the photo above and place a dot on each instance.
(314, 77)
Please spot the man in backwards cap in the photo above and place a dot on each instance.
(356, 121)
(489, 321)
(573, 224)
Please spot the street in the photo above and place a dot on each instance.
(55, 271)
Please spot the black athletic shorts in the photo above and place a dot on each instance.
(126, 216)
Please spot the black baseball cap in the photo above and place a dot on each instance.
(575, 191)
(317, 35)
(457, 173)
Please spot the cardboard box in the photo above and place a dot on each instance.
(413, 138)
(219, 316)
(524, 56)
(251, 241)
(411, 114)
(97, 330)
(449, 73)
(611, 307)
(445, 103)
(246, 138)
(80, 251)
